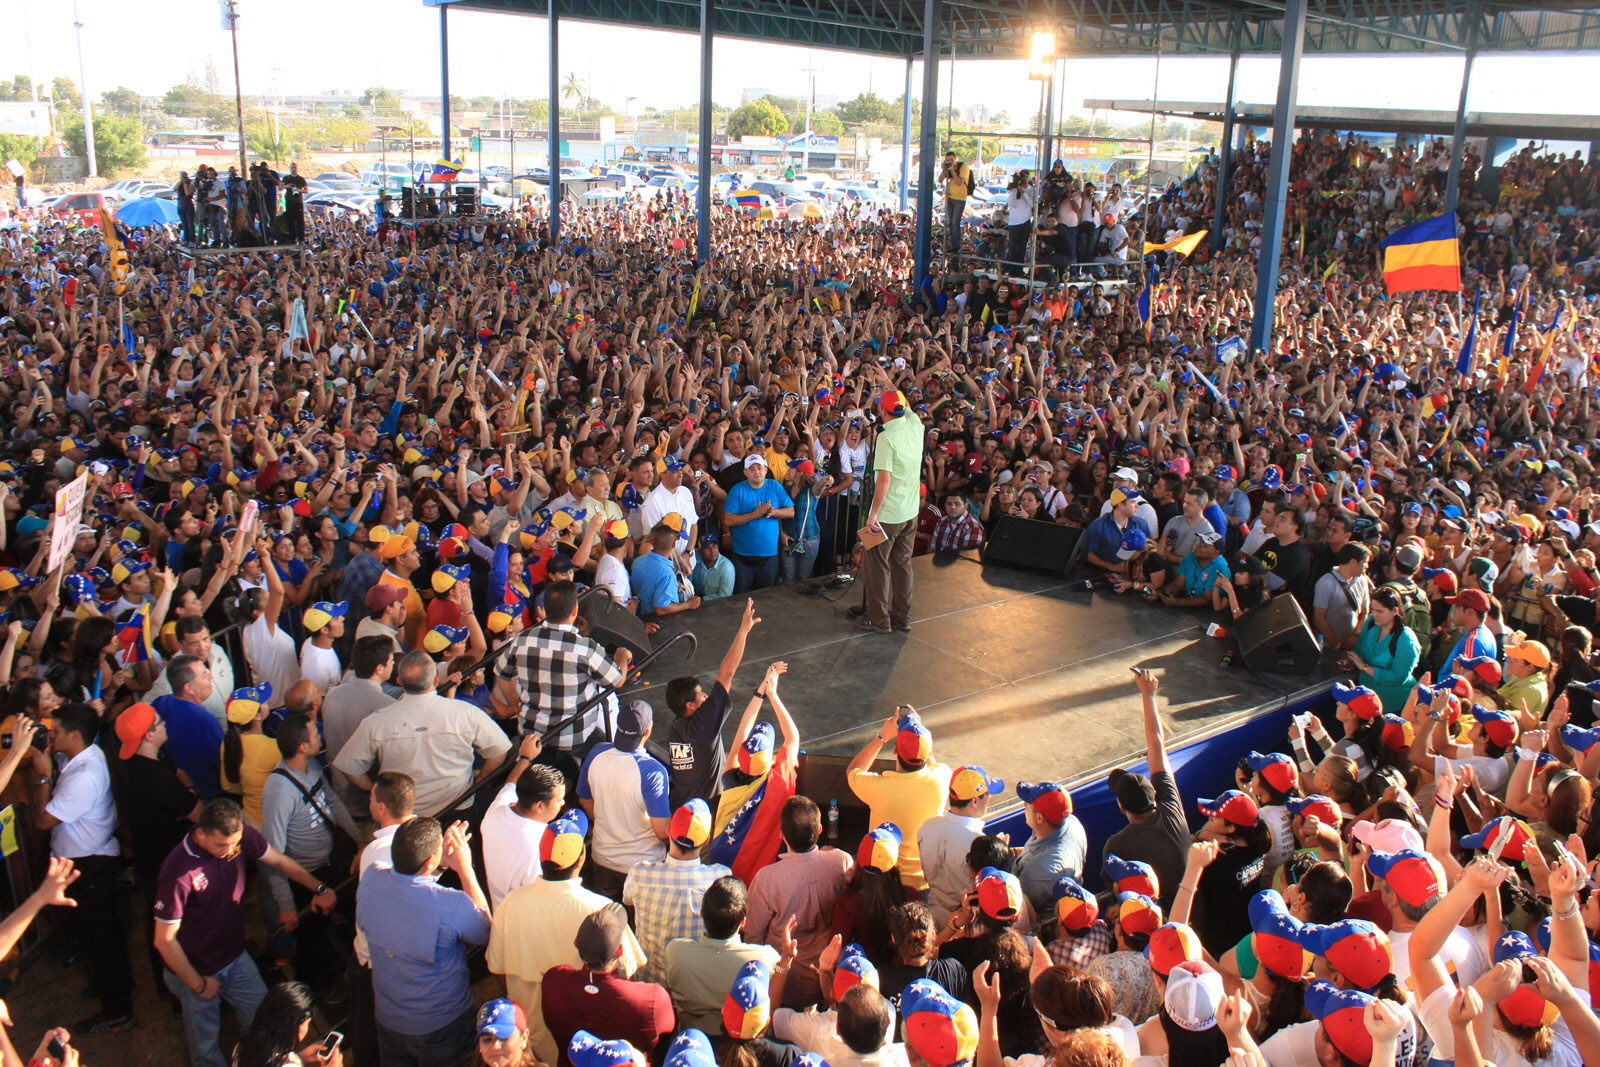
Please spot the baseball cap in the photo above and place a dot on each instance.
(445, 577)
(1407, 558)
(395, 546)
(1473, 599)
(853, 969)
(747, 1009)
(502, 1018)
(1526, 1006)
(1413, 876)
(1397, 733)
(913, 744)
(1225, 473)
(972, 782)
(1499, 726)
(755, 459)
(1172, 944)
(380, 596)
(1484, 569)
(246, 702)
(880, 848)
(1137, 913)
(14, 578)
(1125, 474)
(1276, 769)
(441, 637)
(1133, 791)
(322, 613)
(586, 1050)
(1049, 799)
(940, 1029)
(1275, 936)
(1510, 835)
(124, 569)
(1536, 653)
(1578, 739)
(135, 721)
(1363, 702)
(1194, 993)
(1541, 934)
(1208, 537)
(1343, 1014)
(1133, 541)
(1318, 805)
(1272, 477)
(754, 757)
(1442, 577)
(1485, 668)
(1357, 949)
(892, 402)
(692, 1048)
(1388, 835)
(633, 723)
(1131, 876)
(1076, 907)
(691, 824)
(1119, 495)
(599, 937)
(999, 894)
(562, 842)
(1232, 806)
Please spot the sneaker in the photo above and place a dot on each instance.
(866, 624)
(105, 1023)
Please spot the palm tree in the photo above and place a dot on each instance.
(574, 89)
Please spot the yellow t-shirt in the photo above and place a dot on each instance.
(260, 756)
(908, 799)
(955, 187)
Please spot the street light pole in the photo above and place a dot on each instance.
(83, 87)
(231, 13)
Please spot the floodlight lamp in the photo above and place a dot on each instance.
(1041, 55)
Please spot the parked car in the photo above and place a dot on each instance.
(783, 192)
(386, 176)
(85, 206)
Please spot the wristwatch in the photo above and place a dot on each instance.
(321, 889)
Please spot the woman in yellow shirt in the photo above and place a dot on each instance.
(248, 754)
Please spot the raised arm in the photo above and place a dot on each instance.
(1155, 742)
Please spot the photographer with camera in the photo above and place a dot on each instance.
(956, 177)
(1022, 198)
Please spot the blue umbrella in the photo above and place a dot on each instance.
(150, 211)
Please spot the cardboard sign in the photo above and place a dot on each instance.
(68, 517)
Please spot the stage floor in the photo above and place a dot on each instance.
(1023, 673)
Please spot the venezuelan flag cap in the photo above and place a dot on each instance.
(691, 824)
(1526, 1006)
(754, 757)
(1049, 799)
(124, 569)
(1343, 1016)
(1076, 907)
(1233, 806)
(442, 637)
(853, 969)
(1137, 913)
(692, 1048)
(1508, 835)
(501, 1018)
(1356, 948)
(1397, 733)
(940, 1029)
(1541, 933)
(1362, 701)
(880, 849)
(747, 1008)
(999, 894)
(1131, 876)
(322, 613)
(971, 782)
(1323, 808)
(1275, 936)
(80, 587)
(445, 577)
(1172, 944)
(1415, 877)
(1497, 725)
(562, 843)
(1574, 737)
(246, 703)
(1275, 768)
(913, 744)
(586, 1050)
(12, 578)
(500, 618)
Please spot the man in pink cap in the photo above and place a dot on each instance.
(892, 514)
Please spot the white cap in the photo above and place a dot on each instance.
(1125, 474)
(755, 459)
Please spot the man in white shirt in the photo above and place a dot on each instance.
(944, 839)
(1128, 478)
(82, 819)
(194, 639)
(670, 494)
(624, 791)
(515, 822)
(351, 701)
(855, 1034)
(319, 663)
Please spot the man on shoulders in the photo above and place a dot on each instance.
(694, 739)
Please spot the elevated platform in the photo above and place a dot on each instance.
(1024, 673)
(209, 252)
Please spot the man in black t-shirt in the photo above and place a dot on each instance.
(1286, 557)
(694, 740)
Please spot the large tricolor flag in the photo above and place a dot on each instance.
(1181, 245)
(445, 170)
(1464, 359)
(1424, 255)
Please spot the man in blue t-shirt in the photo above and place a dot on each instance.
(655, 576)
(1103, 538)
(1198, 571)
(1469, 608)
(752, 513)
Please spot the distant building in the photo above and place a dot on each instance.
(25, 118)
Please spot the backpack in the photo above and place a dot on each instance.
(1416, 612)
(972, 183)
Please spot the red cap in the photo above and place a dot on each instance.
(1474, 599)
(135, 721)
(892, 402)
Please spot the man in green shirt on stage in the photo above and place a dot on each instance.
(897, 479)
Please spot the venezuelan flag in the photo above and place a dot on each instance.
(1181, 245)
(1424, 255)
(747, 199)
(445, 170)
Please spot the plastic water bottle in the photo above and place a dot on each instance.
(833, 820)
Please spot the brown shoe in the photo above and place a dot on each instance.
(866, 624)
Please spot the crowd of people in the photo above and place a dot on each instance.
(366, 466)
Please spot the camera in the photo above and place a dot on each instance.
(40, 739)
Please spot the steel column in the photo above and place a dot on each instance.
(905, 137)
(1277, 192)
(929, 141)
(444, 83)
(702, 194)
(1458, 139)
(555, 122)
(1219, 217)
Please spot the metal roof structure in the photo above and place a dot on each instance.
(1000, 28)
(1384, 119)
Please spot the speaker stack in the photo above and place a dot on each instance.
(466, 200)
(1276, 637)
(1032, 544)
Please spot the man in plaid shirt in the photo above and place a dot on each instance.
(665, 894)
(958, 529)
(553, 668)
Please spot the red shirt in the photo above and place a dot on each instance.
(639, 1013)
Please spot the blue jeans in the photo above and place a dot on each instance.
(754, 572)
(242, 990)
(793, 567)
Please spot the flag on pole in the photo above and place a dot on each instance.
(1424, 255)
(117, 254)
(445, 170)
(1537, 373)
(1181, 245)
(133, 640)
(129, 342)
(298, 327)
(1147, 302)
(1509, 345)
(694, 297)
(1464, 359)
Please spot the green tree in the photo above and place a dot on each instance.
(64, 91)
(272, 149)
(382, 100)
(825, 122)
(186, 100)
(573, 90)
(19, 87)
(118, 142)
(20, 148)
(121, 101)
(868, 107)
(758, 118)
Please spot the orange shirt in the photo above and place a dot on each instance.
(416, 615)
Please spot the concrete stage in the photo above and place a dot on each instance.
(1021, 672)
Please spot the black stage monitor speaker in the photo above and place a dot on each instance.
(612, 624)
(408, 201)
(1275, 636)
(466, 200)
(1031, 543)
